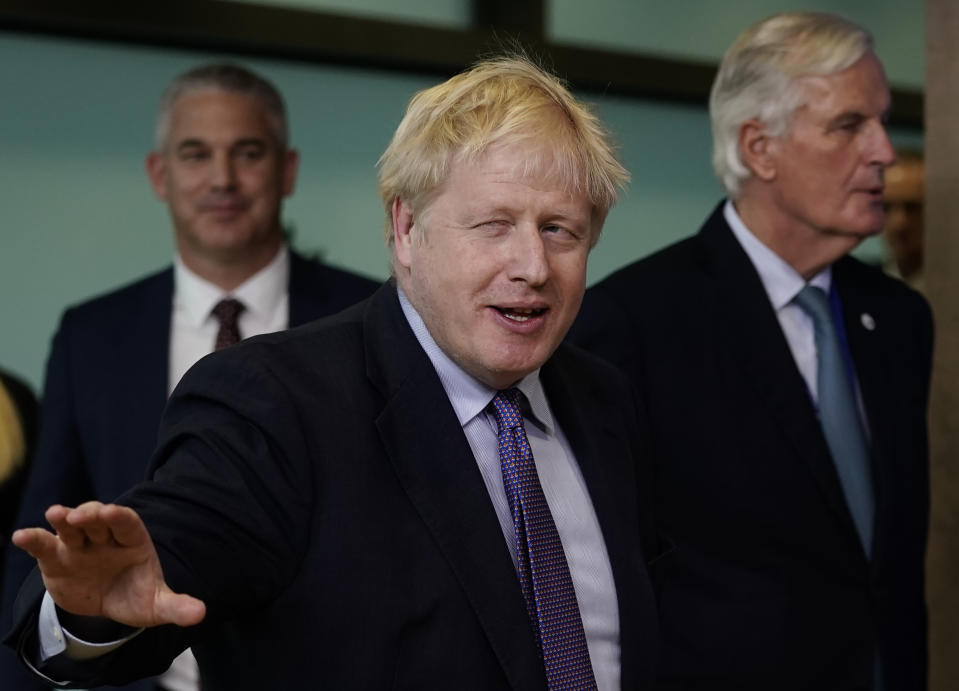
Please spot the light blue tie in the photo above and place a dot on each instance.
(839, 415)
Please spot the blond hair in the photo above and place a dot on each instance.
(759, 73)
(13, 446)
(503, 100)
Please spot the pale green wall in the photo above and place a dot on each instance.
(448, 13)
(703, 29)
(78, 217)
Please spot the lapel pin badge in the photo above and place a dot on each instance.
(868, 321)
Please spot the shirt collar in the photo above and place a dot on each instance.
(781, 281)
(469, 396)
(260, 294)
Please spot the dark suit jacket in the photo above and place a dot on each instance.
(316, 490)
(769, 586)
(106, 385)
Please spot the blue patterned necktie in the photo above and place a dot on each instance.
(839, 415)
(541, 563)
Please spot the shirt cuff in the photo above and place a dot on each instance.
(54, 639)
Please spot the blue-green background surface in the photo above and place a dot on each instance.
(77, 216)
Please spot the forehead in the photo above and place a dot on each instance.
(213, 114)
(519, 173)
(531, 162)
(860, 89)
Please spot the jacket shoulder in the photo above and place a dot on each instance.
(133, 295)
(310, 272)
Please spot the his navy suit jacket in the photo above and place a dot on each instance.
(769, 587)
(314, 487)
(106, 386)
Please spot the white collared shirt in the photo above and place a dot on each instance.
(563, 485)
(782, 284)
(193, 329)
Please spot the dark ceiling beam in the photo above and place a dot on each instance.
(320, 37)
(514, 17)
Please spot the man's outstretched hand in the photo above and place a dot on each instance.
(102, 562)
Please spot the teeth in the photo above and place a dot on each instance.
(520, 314)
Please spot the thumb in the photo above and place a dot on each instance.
(177, 608)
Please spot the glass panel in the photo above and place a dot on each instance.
(443, 13)
(703, 30)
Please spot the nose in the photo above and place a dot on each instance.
(528, 258)
(222, 172)
(881, 150)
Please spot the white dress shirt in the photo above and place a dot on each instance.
(193, 329)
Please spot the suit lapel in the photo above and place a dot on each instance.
(149, 371)
(436, 468)
(304, 299)
(747, 323)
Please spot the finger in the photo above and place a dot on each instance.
(97, 520)
(59, 519)
(178, 608)
(37, 542)
(126, 526)
(86, 513)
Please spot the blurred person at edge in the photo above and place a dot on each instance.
(903, 232)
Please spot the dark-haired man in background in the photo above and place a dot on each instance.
(223, 166)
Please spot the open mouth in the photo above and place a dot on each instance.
(518, 314)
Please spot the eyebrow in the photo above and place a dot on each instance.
(247, 141)
(847, 116)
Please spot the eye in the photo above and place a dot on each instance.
(564, 235)
(249, 153)
(850, 124)
(193, 155)
(494, 224)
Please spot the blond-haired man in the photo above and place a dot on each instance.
(786, 384)
(356, 504)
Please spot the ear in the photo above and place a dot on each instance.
(757, 149)
(156, 172)
(402, 214)
(291, 165)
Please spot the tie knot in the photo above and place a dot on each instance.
(815, 303)
(506, 409)
(226, 311)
